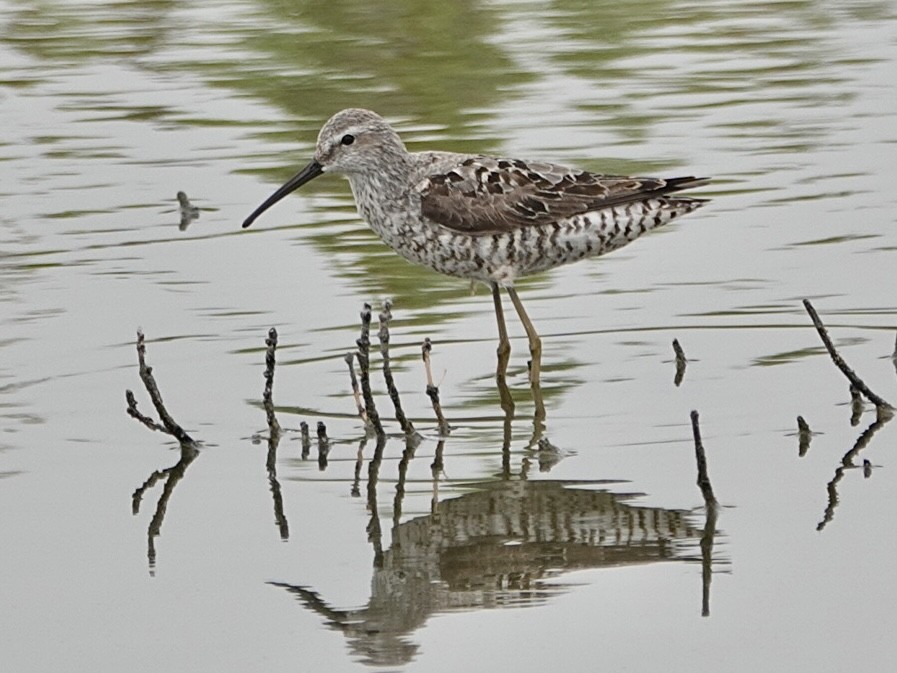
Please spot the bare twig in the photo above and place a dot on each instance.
(356, 393)
(134, 413)
(168, 425)
(712, 511)
(703, 478)
(274, 434)
(323, 445)
(880, 403)
(432, 389)
(383, 334)
(804, 435)
(681, 362)
(306, 439)
(364, 365)
(188, 212)
(856, 405)
(267, 397)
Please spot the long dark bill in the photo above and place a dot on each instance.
(310, 172)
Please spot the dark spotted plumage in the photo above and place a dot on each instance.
(484, 218)
(485, 195)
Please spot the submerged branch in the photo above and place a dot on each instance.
(882, 406)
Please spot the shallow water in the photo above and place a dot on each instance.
(508, 556)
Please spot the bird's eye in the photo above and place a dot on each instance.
(348, 139)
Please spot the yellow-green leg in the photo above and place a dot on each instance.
(535, 343)
(504, 353)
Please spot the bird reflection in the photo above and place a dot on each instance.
(504, 543)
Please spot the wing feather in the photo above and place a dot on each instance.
(483, 195)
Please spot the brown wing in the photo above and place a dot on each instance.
(483, 195)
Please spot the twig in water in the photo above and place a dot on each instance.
(267, 397)
(847, 462)
(171, 477)
(364, 364)
(356, 393)
(188, 212)
(883, 407)
(712, 512)
(703, 478)
(681, 362)
(894, 354)
(306, 439)
(323, 445)
(134, 413)
(856, 405)
(359, 460)
(804, 435)
(374, 530)
(274, 434)
(436, 468)
(383, 334)
(168, 424)
(432, 389)
(407, 455)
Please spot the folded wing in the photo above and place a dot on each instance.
(484, 195)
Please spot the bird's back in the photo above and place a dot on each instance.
(496, 219)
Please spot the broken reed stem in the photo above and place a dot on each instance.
(681, 362)
(703, 478)
(856, 405)
(267, 396)
(432, 389)
(134, 413)
(274, 434)
(383, 335)
(851, 375)
(364, 365)
(306, 439)
(680, 354)
(356, 393)
(323, 445)
(169, 425)
(804, 435)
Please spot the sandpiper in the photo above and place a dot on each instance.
(485, 218)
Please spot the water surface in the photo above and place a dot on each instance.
(507, 556)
